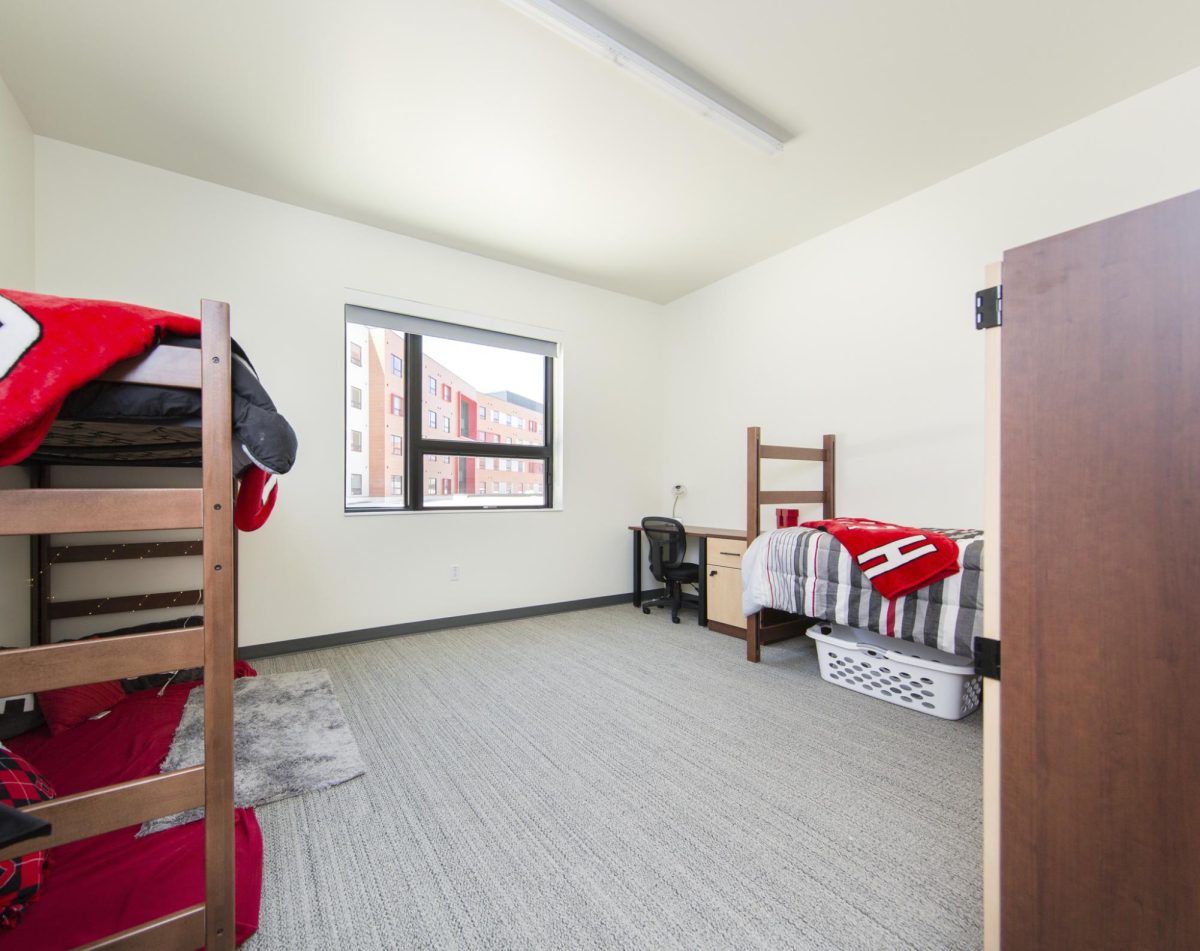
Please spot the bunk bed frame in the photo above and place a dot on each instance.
(39, 512)
(770, 623)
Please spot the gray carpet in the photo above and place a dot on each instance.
(607, 780)
(290, 738)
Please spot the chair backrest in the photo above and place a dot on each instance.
(668, 541)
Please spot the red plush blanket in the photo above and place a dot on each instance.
(896, 559)
(50, 346)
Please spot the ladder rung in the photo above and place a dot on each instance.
(47, 511)
(51, 666)
(97, 811)
(179, 931)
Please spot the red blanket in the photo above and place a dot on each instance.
(50, 346)
(896, 559)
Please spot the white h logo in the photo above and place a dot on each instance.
(892, 555)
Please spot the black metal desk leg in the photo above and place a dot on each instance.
(637, 569)
(702, 587)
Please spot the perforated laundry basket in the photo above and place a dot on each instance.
(900, 672)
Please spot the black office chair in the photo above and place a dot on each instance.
(668, 542)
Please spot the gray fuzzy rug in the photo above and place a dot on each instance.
(290, 737)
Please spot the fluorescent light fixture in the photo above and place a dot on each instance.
(587, 26)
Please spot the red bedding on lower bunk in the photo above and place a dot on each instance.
(111, 882)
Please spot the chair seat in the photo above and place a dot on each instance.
(685, 572)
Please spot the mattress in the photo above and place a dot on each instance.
(807, 571)
(105, 884)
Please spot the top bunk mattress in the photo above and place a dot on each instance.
(807, 571)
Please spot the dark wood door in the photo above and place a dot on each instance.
(1100, 606)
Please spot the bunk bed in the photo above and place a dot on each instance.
(118, 786)
(794, 577)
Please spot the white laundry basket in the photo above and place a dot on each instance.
(900, 672)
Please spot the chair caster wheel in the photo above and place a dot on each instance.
(645, 610)
(674, 620)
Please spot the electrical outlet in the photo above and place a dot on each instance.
(454, 572)
(678, 490)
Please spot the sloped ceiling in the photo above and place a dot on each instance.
(467, 123)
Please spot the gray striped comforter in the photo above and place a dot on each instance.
(807, 571)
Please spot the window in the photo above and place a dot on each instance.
(356, 359)
(355, 483)
(438, 456)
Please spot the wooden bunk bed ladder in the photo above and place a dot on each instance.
(42, 511)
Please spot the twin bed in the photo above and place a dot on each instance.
(799, 576)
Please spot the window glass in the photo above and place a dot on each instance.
(474, 393)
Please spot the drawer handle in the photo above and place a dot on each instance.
(732, 554)
(713, 572)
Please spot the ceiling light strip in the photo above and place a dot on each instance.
(587, 26)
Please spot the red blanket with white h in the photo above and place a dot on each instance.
(896, 559)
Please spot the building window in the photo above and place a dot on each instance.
(437, 457)
(355, 483)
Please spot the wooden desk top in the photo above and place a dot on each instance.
(697, 531)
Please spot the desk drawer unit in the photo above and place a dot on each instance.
(724, 579)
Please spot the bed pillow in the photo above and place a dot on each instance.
(21, 878)
(66, 707)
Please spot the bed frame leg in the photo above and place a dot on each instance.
(753, 639)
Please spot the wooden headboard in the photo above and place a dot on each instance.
(756, 498)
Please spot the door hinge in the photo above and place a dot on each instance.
(987, 657)
(989, 307)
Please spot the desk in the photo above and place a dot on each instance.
(693, 531)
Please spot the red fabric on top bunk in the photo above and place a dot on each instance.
(114, 881)
(50, 346)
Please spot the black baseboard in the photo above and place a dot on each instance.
(434, 624)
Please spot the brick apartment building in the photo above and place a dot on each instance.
(451, 408)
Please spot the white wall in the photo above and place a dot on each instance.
(16, 271)
(867, 331)
(107, 227)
